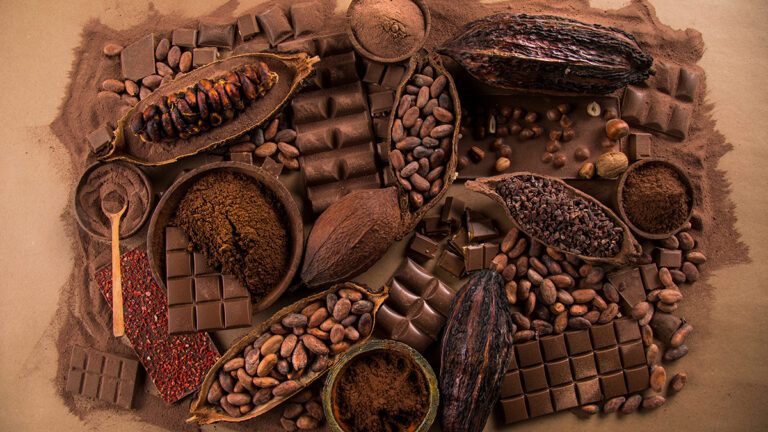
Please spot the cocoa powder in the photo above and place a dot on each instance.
(388, 28)
(655, 199)
(238, 225)
(381, 391)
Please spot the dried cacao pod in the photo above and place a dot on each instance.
(549, 53)
(350, 236)
(475, 350)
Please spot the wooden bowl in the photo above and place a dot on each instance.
(329, 389)
(620, 195)
(630, 248)
(170, 201)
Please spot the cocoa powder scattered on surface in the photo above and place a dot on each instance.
(387, 28)
(239, 226)
(655, 198)
(381, 391)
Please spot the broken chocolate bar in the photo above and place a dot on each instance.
(103, 376)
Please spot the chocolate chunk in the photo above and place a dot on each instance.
(373, 71)
(639, 146)
(244, 157)
(305, 18)
(256, 46)
(103, 376)
(381, 103)
(247, 26)
(433, 226)
(272, 167)
(100, 138)
(216, 35)
(665, 325)
(401, 329)
(185, 38)
(629, 284)
(292, 46)
(671, 258)
(392, 77)
(451, 263)
(422, 246)
(656, 107)
(650, 275)
(453, 209)
(473, 257)
(687, 85)
(138, 59)
(204, 56)
(275, 25)
(480, 227)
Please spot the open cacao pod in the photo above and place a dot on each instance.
(548, 53)
(291, 70)
(629, 248)
(438, 186)
(204, 412)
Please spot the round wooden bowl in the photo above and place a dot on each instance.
(170, 201)
(371, 56)
(620, 195)
(329, 389)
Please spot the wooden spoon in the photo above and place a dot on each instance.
(113, 205)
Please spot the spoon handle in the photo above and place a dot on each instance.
(118, 325)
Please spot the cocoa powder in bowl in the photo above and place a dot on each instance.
(381, 391)
(388, 29)
(655, 198)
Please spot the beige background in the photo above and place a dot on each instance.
(728, 387)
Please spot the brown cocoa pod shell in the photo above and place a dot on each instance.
(204, 412)
(479, 325)
(350, 236)
(412, 216)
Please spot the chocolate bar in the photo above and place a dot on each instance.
(272, 167)
(650, 276)
(665, 102)
(479, 227)
(103, 376)
(629, 283)
(185, 38)
(671, 258)
(305, 18)
(199, 298)
(247, 26)
(453, 210)
(216, 35)
(417, 306)
(433, 226)
(100, 138)
(176, 364)
(137, 60)
(451, 263)
(423, 247)
(560, 372)
(275, 25)
(526, 154)
(244, 157)
(381, 103)
(639, 146)
(204, 56)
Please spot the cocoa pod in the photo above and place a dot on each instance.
(614, 404)
(475, 351)
(653, 402)
(632, 404)
(524, 51)
(350, 236)
(658, 378)
(678, 382)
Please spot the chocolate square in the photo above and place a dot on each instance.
(528, 353)
(553, 347)
(588, 391)
(201, 264)
(242, 157)
(372, 74)
(608, 360)
(175, 238)
(294, 46)
(479, 227)
(128, 369)
(564, 397)
(578, 342)
(451, 263)
(453, 209)
(583, 366)
(626, 330)
(124, 394)
(637, 379)
(108, 391)
(204, 56)
(671, 258)
(687, 85)
(216, 35)
(271, 166)
(380, 127)
(332, 44)
(275, 24)
(422, 246)
(639, 146)
(247, 26)
(185, 38)
(534, 378)
(261, 45)
(305, 18)
(95, 362)
(80, 358)
(237, 312)
(602, 335)
(178, 263)
(511, 385)
(514, 409)
(138, 59)
(490, 250)
(559, 372)
(613, 385)
(473, 257)
(207, 288)
(392, 77)
(650, 276)
(100, 138)
(180, 291)
(459, 240)
(629, 284)
(208, 316)
(381, 103)
(232, 288)
(512, 363)
(74, 381)
(632, 354)
(181, 319)
(539, 403)
(91, 385)
(433, 226)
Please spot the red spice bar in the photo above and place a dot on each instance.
(177, 364)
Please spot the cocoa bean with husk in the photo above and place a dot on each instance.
(658, 378)
(675, 353)
(653, 402)
(652, 355)
(632, 404)
(678, 338)
(678, 382)
(608, 314)
(614, 404)
(647, 335)
(523, 336)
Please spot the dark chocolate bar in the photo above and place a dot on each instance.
(575, 368)
(102, 376)
(275, 25)
(204, 56)
(216, 35)
(138, 59)
(416, 308)
(185, 38)
(247, 26)
(639, 146)
(305, 18)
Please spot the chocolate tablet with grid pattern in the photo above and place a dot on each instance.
(102, 376)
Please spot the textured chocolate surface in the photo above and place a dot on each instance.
(216, 35)
(275, 25)
(103, 376)
(629, 284)
(203, 56)
(100, 138)
(579, 367)
(138, 59)
(247, 27)
(184, 37)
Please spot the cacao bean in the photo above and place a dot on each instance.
(265, 382)
(547, 292)
(317, 317)
(610, 292)
(608, 314)
(215, 393)
(286, 388)
(658, 378)
(670, 296)
(292, 410)
(338, 348)
(279, 329)
(690, 271)
(365, 324)
(314, 344)
(272, 345)
(351, 334)
(652, 355)
(592, 316)
(678, 338)
(564, 297)
(647, 334)
(307, 422)
(640, 309)
(677, 382)
(590, 409)
(614, 404)
(560, 323)
(227, 382)
(632, 404)
(293, 320)
(229, 408)
(695, 257)
(299, 358)
(675, 353)
(530, 304)
(523, 336)
(511, 290)
(233, 364)
(319, 363)
(579, 323)
(583, 295)
(665, 277)
(349, 320)
(523, 289)
(562, 280)
(266, 365)
(337, 333)
(289, 343)
(653, 402)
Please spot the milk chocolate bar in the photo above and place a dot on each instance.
(138, 59)
(103, 376)
(574, 368)
(416, 308)
(275, 25)
(216, 35)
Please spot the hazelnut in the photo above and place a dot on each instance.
(547, 158)
(564, 108)
(555, 134)
(477, 153)
(559, 160)
(531, 117)
(497, 143)
(517, 113)
(568, 134)
(462, 163)
(526, 134)
(587, 171)
(582, 153)
(616, 129)
(515, 128)
(554, 146)
(611, 164)
(537, 130)
(609, 113)
(566, 122)
(505, 151)
(553, 115)
(593, 109)
(502, 164)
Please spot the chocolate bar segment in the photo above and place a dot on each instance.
(601, 363)
(100, 138)
(422, 246)
(216, 35)
(138, 59)
(204, 56)
(185, 38)
(629, 284)
(275, 25)
(102, 376)
(247, 26)
(305, 18)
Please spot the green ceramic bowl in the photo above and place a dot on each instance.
(381, 345)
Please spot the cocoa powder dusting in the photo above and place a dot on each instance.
(387, 28)
(381, 391)
(655, 199)
(239, 227)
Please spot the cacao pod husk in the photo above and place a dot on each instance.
(476, 347)
(548, 53)
(350, 236)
